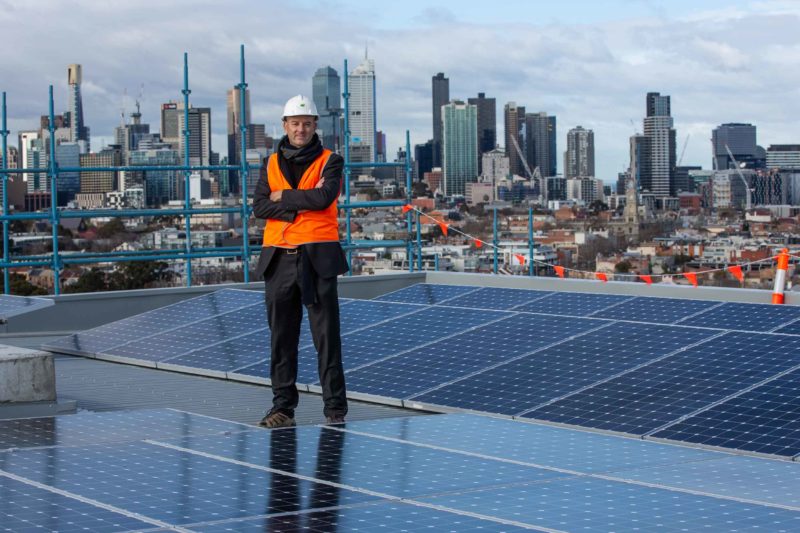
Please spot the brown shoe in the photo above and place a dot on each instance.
(276, 419)
(334, 419)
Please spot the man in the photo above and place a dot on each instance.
(300, 260)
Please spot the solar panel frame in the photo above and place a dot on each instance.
(12, 305)
(736, 316)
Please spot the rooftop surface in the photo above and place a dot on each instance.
(156, 449)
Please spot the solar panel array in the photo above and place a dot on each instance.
(709, 373)
(159, 470)
(17, 305)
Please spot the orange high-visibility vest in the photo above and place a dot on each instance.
(310, 226)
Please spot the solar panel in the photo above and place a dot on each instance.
(765, 419)
(446, 360)
(532, 443)
(650, 397)
(572, 303)
(398, 335)
(390, 516)
(745, 317)
(496, 298)
(202, 333)
(792, 328)
(574, 504)
(655, 310)
(91, 428)
(25, 508)
(170, 485)
(153, 322)
(17, 305)
(231, 354)
(426, 293)
(531, 380)
(379, 465)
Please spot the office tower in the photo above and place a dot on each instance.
(741, 140)
(579, 157)
(78, 130)
(24, 143)
(586, 189)
(640, 161)
(658, 128)
(440, 95)
(423, 157)
(494, 166)
(514, 119)
(682, 181)
(160, 186)
(69, 182)
(779, 156)
(487, 124)
(540, 142)
(128, 136)
(199, 137)
(234, 122)
(460, 146)
(362, 119)
(170, 124)
(326, 92)
(101, 182)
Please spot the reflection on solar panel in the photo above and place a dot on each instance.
(765, 420)
(745, 317)
(450, 359)
(655, 310)
(542, 376)
(573, 303)
(655, 395)
(424, 293)
(16, 305)
(496, 298)
(460, 473)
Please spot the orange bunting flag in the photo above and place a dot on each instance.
(601, 276)
(559, 270)
(736, 270)
(691, 276)
(443, 227)
(478, 243)
(407, 208)
(520, 258)
(647, 279)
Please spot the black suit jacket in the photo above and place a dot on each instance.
(327, 258)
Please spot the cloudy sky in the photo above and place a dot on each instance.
(590, 63)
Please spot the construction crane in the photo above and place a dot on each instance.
(739, 171)
(683, 150)
(534, 176)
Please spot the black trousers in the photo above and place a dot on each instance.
(283, 295)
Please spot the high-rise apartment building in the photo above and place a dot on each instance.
(540, 142)
(740, 139)
(494, 166)
(69, 182)
(487, 123)
(234, 122)
(579, 157)
(199, 136)
(514, 120)
(782, 156)
(440, 96)
(362, 119)
(78, 130)
(460, 146)
(326, 92)
(101, 182)
(423, 157)
(658, 128)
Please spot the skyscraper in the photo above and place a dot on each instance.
(199, 136)
(440, 92)
(658, 128)
(78, 130)
(741, 140)
(640, 162)
(487, 124)
(540, 142)
(170, 124)
(127, 136)
(326, 91)
(514, 119)
(362, 119)
(460, 146)
(579, 157)
(235, 120)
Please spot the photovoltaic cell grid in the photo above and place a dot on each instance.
(17, 305)
(426, 293)
(655, 310)
(453, 472)
(745, 317)
(572, 303)
(497, 298)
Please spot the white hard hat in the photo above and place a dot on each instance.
(299, 105)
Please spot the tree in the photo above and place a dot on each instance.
(93, 280)
(623, 267)
(22, 287)
(111, 228)
(139, 275)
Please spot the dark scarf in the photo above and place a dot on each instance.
(303, 155)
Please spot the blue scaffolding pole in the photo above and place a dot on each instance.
(244, 171)
(4, 133)
(187, 174)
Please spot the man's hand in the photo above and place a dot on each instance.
(276, 196)
(320, 183)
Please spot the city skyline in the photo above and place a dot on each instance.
(720, 65)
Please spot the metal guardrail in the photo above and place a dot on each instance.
(57, 259)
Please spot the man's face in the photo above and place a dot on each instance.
(300, 129)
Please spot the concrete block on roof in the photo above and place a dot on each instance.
(26, 375)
